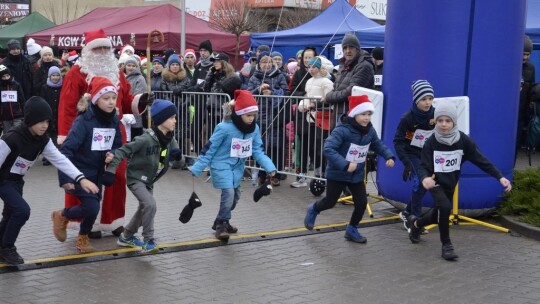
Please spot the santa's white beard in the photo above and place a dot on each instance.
(95, 64)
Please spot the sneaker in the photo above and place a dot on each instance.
(311, 216)
(448, 252)
(221, 231)
(131, 241)
(59, 225)
(10, 256)
(300, 183)
(230, 228)
(83, 244)
(150, 246)
(353, 235)
(414, 232)
(403, 215)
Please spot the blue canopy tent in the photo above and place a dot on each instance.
(329, 27)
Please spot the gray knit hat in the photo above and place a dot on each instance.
(446, 109)
(421, 89)
(528, 45)
(350, 39)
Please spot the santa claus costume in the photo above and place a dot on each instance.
(97, 59)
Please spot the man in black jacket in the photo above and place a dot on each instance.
(20, 67)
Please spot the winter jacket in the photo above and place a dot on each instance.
(52, 96)
(227, 171)
(197, 81)
(431, 153)
(315, 87)
(41, 74)
(212, 84)
(78, 145)
(148, 162)
(336, 148)
(173, 81)
(22, 71)
(137, 82)
(156, 80)
(12, 110)
(358, 72)
(404, 135)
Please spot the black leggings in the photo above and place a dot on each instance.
(334, 190)
(440, 214)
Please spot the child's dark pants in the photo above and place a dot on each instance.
(15, 214)
(333, 192)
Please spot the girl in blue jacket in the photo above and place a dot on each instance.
(236, 138)
(346, 149)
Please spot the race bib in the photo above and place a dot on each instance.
(420, 137)
(447, 161)
(357, 154)
(103, 139)
(241, 148)
(378, 80)
(21, 166)
(9, 96)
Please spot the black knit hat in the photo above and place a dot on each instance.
(527, 47)
(231, 84)
(350, 39)
(14, 44)
(4, 70)
(207, 45)
(378, 53)
(161, 110)
(36, 110)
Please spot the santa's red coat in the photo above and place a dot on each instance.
(74, 87)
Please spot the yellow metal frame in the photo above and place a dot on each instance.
(456, 219)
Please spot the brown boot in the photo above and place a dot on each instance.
(59, 225)
(83, 244)
(221, 231)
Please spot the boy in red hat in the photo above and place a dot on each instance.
(94, 133)
(236, 138)
(97, 59)
(346, 150)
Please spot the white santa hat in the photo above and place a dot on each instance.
(359, 105)
(32, 47)
(94, 39)
(128, 47)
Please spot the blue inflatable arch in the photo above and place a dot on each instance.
(461, 48)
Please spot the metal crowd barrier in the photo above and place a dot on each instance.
(292, 139)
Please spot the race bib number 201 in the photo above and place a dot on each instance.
(447, 161)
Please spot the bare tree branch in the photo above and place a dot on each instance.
(294, 17)
(62, 11)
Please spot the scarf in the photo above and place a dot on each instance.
(241, 125)
(164, 139)
(205, 62)
(54, 85)
(102, 115)
(422, 117)
(447, 139)
(363, 130)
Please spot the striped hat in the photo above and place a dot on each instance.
(421, 89)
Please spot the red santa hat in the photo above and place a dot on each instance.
(359, 105)
(96, 38)
(128, 47)
(72, 56)
(244, 102)
(99, 86)
(190, 51)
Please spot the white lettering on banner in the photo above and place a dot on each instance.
(4, 6)
(78, 41)
(373, 9)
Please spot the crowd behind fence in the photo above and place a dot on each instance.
(293, 128)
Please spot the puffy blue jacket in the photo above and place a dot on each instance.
(78, 143)
(337, 146)
(227, 171)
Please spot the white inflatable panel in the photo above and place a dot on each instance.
(376, 98)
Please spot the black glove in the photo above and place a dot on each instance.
(146, 99)
(193, 203)
(263, 190)
(107, 179)
(177, 91)
(407, 172)
(176, 154)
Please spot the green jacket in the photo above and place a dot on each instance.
(147, 161)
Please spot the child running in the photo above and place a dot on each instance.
(94, 132)
(20, 147)
(346, 149)
(149, 156)
(236, 138)
(442, 156)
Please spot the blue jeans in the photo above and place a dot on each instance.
(15, 214)
(87, 210)
(414, 206)
(229, 199)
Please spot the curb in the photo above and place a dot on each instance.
(524, 229)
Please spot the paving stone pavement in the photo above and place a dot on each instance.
(494, 267)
